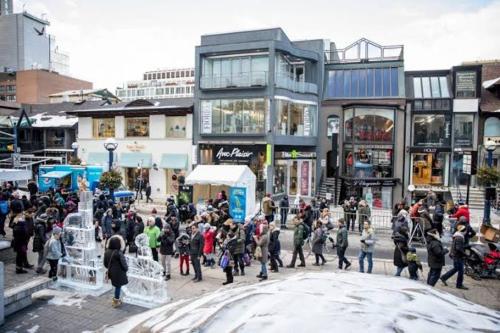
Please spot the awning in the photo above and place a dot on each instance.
(134, 160)
(174, 161)
(56, 174)
(491, 83)
(12, 175)
(99, 158)
(229, 175)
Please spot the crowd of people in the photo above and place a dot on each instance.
(211, 238)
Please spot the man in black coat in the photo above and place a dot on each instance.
(435, 256)
(458, 255)
(196, 251)
(148, 192)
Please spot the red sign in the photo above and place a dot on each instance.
(304, 178)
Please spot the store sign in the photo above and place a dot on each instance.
(135, 147)
(429, 150)
(372, 182)
(206, 118)
(465, 84)
(235, 153)
(237, 203)
(294, 154)
(304, 178)
(307, 121)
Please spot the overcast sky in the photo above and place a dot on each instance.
(112, 41)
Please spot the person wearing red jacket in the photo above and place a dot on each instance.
(208, 245)
(463, 210)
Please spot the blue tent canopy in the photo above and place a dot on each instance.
(56, 174)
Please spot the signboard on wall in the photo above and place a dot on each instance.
(240, 153)
(333, 126)
(465, 84)
(206, 118)
(307, 121)
(237, 203)
(304, 178)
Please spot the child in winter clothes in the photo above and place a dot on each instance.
(183, 244)
(413, 263)
(208, 247)
(54, 252)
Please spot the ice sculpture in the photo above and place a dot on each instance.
(146, 285)
(82, 267)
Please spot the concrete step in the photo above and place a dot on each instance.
(19, 297)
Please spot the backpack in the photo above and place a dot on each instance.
(4, 207)
(306, 231)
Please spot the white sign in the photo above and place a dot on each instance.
(323, 163)
(16, 160)
(206, 117)
(467, 162)
(307, 122)
(194, 155)
(333, 126)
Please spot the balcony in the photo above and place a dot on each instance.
(237, 80)
(284, 81)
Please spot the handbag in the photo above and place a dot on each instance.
(258, 252)
(224, 261)
(106, 276)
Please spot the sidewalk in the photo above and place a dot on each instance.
(67, 311)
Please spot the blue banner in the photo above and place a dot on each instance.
(237, 203)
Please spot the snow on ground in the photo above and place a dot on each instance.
(58, 297)
(34, 329)
(320, 302)
(4, 244)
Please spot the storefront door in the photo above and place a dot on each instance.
(297, 176)
(132, 174)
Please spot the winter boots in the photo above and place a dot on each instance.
(116, 302)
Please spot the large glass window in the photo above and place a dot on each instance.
(368, 82)
(463, 130)
(137, 127)
(431, 87)
(368, 125)
(55, 138)
(234, 116)
(431, 130)
(429, 168)
(298, 119)
(366, 162)
(104, 127)
(176, 127)
(237, 71)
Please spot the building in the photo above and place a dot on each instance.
(256, 102)
(6, 7)
(364, 107)
(166, 83)
(77, 96)
(25, 43)
(154, 140)
(36, 86)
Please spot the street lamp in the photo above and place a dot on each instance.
(490, 147)
(110, 144)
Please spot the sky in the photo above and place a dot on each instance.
(114, 41)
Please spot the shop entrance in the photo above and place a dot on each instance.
(133, 174)
(295, 177)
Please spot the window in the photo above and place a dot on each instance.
(137, 127)
(465, 84)
(176, 74)
(192, 73)
(168, 75)
(298, 119)
(430, 87)
(182, 73)
(145, 77)
(176, 126)
(368, 125)
(431, 130)
(368, 162)
(429, 168)
(55, 138)
(234, 116)
(162, 75)
(463, 128)
(104, 127)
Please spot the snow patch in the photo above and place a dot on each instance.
(34, 329)
(59, 297)
(4, 244)
(318, 302)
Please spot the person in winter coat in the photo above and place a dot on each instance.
(229, 244)
(183, 243)
(263, 242)
(153, 232)
(425, 219)
(367, 246)
(115, 262)
(438, 217)
(413, 263)
(167, 240)
(458, 255)
(148, 192)
(364, 213)
(400, 240)
(20, 236)
(469, 232)
(435, 256)
(107, 221)
(274, 247)
(4, 211)
(54, 252)
(284, 206)
(342, 244)
(268, 207)
(239, 232)
(352, 208)
(308, 217)
(318, 240)
(208, 245)
(138, 228)
(299, 236)
(196, 251)
(463, 210)
(39, 240)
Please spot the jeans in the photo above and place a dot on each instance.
(195, 261)
(165, 262)
(263, 268)
(342, 258)
(369, 256)
(298, 250)
(284, 215)
(117, 292)
(53, 267)
(458, 267)
(433, 277)
(238, 260)
(399, 270)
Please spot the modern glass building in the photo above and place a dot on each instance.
(256, 103)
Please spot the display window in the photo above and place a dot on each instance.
(294, 118)
(132, 174)
(430, 168)
(369, 125)
(381, 196)
(463, 127)
(295, 177)
(176, 126)
(104, 127)
(137, 127)
(431, 130)
(368, 162)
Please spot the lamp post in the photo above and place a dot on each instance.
(490, 147)
(110, 144)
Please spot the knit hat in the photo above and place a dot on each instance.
(56, 231)
(206, 226)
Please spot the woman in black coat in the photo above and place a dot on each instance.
(274, 247)
(115, 262)
(401, 249)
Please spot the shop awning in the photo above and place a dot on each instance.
(99, 158)
(134, 160)
(56, 174)
(174, 161)
(12, 175)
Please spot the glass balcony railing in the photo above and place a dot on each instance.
(235, 80)
(286, 82)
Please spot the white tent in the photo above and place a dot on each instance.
(226, 175)
(13, 175)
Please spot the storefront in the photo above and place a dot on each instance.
(381, 190)
(294, 172)
(430, 167)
